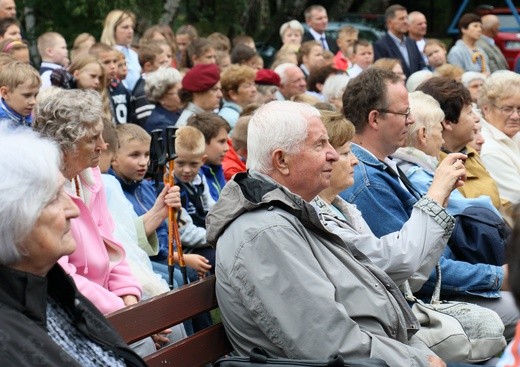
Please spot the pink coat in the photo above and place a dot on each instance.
(98, 265)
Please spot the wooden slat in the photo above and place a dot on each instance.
(198, 350)
(156, 314)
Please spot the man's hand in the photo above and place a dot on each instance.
(161, 338)
(434, 361)
(449, 175)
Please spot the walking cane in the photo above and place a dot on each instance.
(173, 228)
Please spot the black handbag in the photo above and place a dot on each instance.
(259, 357)
(479, 236)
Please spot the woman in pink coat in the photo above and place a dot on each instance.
(98, 265)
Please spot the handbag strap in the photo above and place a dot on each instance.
(436, 296)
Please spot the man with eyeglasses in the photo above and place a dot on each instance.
(376, 102)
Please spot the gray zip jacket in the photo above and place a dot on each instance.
(409, 254)
(288, 285)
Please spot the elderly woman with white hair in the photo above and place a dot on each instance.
(418, 161)
(420, 158)
(291, 32)
(333, 89)
(474, 81)
(44, 317)
(500, 106)
(162, 88)
(98, 266)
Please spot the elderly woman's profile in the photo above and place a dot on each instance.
(44, 319)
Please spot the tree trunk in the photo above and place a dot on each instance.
(170, 10)
(30, 29)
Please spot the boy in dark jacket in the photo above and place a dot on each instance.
(215, 130)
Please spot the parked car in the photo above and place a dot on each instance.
(366, 31)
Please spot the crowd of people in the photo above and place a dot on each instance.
(314, 189)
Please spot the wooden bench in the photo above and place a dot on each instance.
(153, 315)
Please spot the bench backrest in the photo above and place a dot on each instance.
(156, 314)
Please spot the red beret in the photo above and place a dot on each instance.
(201, 77)
(267, 77)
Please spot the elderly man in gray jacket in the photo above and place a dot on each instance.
(284, 282)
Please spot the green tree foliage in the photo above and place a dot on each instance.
(258, 18)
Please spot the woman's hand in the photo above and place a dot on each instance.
(129, 299)
(199, 263)
(449, 175)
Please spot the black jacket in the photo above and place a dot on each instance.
(386, 47)
(23, 334)
(307, 36)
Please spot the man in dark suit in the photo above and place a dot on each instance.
(317, 21)
(396, 45)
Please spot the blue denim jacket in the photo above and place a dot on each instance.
(386, 206)
(384, 203)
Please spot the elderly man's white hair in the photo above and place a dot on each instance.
(277, 125)
(281, 70)
(30, 170)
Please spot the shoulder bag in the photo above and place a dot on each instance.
(457, 331)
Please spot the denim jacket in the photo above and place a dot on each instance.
(386, 206)
(378, 194)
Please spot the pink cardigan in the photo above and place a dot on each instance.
(98, 265)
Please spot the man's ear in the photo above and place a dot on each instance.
(279, 160)
(204, 157)
(372, 119)
(447, 125)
